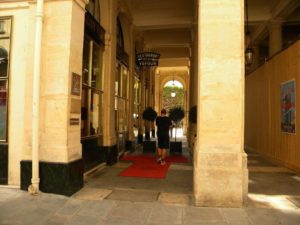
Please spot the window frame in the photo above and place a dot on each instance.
(6, 78)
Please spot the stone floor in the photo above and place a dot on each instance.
(274, 199)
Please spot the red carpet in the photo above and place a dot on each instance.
(150, 158)
(146, 166)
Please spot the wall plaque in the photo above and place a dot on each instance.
(74, 121)
(75, 84)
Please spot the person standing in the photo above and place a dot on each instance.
(163, 124)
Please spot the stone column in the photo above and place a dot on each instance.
(193, 86)
(157, 90)
(61, 165)
(275, 36)
(256, 57)
(220, 164)
(131, 89)
(109, 60)
(142, 108)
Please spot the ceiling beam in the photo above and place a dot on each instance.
(280, 11)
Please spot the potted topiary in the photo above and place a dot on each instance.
(176, 114)
(149, 115)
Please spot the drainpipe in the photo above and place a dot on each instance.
(35, 180)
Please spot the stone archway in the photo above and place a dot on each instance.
(162, 77)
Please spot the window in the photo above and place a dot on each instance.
(94, 9)
(5, 27)
(120, 39)
(2, 29)
(92, 89)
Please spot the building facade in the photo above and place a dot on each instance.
(81, 102)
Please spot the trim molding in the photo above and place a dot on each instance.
(9, 5)
(3, 164)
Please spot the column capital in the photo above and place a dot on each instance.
(107, 40)
(275, 22)
(82, 3)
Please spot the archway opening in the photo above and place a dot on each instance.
(173, 96)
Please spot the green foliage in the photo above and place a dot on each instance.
(149, 114)
(176, 114)
(193, 114)
(170, 102)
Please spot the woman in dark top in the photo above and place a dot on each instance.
(163, 124)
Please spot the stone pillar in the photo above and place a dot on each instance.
(109, 64)
(220, 164)
(157, 91)
(142, 102)
(131, 87)
(275, 36)
(61, 165)
(193, 86)
(256, 57)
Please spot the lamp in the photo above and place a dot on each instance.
(147, 59)
(249, 53)
(173, 93)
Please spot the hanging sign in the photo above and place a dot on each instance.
(147, 59)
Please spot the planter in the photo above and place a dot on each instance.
(149, 146)
(140, 138)
(153, 133)
(147, 135)
(176, 147)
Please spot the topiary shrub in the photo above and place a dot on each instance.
(176, 114)
(149, 115)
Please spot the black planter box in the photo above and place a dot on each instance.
(147, 135)
(140, 138)
(176, 147)
(153, 133)
(149, 146)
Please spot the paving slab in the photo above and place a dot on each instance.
(180, 167)
(70, 207)
(269, 169)
(197, 215)
(175, 198)
(84, 220)
(207, 223)
(263, 216)
(122, 221)
(165, 214)
(134, 195)
(289, 217)
(93, 194)
(130, 210)
(295, 200)
(31, 215)
(96, 208)
(235, 216)
(54, 220)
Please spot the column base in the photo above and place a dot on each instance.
(221, 180)
(92, 153)
(112, 154)
(4, 164)
(57, 178)
(129, 146)
(140, 138)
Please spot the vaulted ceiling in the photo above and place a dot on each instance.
(167, 25)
